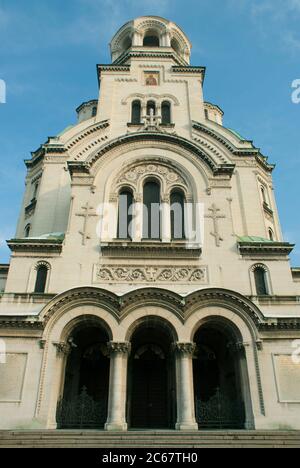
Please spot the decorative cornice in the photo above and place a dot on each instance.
(52, 146)
(36, 245)
(141, 52)
(123, 248)
(262, 160)
(20, 323)
(4, 268)
(217, 169)
(269, 249)
(188, 70)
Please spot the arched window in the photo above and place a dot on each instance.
(136, 112)
(166, 113)
(263, 193)
(41, 278)
(177, 215)
(127, 43)
(175, 45)
(35, 190)
(27, 230)
(260, 281)
(151, 215)
(151, 41)
(271, 235)
(94, 111)
(151, 106)
(125, 215)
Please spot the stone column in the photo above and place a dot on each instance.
(166, 218)
(119, 353)
(186, 420)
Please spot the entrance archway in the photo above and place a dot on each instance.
(85, 396)
(217, 368)
(151, 379)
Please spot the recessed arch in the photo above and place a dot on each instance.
(153, 320)
(223, 399)
(211, 165)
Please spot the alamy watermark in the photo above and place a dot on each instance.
(296, 92)
(2, 352)
(296, 352)
(2, 92)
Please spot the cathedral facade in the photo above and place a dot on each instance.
(149, 285)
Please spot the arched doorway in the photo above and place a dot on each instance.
(151, 382)
(217, 368)
(85, 395)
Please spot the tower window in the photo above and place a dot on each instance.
(35, 191)
(166, 113)
(94, 112)
(264, 197)
(27, 230)
(151, 41)
(151, 106)
(41, 279)
(125, 215)
(136, 112)
(260, 281)
(151, 215)
(271, 235)
(177, 215)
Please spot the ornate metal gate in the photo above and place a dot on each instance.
(81, 412)
(220, 412)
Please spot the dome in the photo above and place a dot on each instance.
(151, 32)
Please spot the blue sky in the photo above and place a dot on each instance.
(48, 55)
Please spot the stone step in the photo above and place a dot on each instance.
(149, 439)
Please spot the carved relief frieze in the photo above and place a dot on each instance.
(150, 274)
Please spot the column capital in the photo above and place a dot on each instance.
(62, 348)
(186, 349)
(115, 347)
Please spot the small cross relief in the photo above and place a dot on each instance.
(87, 213)
(215, 216)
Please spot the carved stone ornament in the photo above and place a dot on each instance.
(119, 348)
(134, 174)
(140, 274)
(62, 349)
(187, 349)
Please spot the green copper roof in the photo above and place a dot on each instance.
(248, 239)
(52, 236)
(240, 137)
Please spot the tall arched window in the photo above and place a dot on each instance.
(271, 235)
(27, 230)
(151, 106)
(125, 215)
(166, 113)
(136, 112)
(260, 281)
(41, 279)
(151, 215)
(151, 41)
(264, 196)
(94, 111)
(177, 215)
